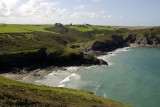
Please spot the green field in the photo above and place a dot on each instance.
(90, 28)
(6, 28)
(28, 38)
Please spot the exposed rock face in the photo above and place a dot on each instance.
(112, 41)
(115, 42)
(90, 60)
(101, 46)
(133, 40)
(40, 59)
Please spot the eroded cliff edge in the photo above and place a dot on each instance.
(69, 46)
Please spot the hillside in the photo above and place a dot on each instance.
(14, 93)
(35, 46)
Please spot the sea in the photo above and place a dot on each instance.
(132, 77)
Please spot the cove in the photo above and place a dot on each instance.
(133, 77)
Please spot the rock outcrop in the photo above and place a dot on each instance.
(40, 59)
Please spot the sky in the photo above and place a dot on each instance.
(95, 12)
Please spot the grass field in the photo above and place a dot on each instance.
(90, 28)
(24, 38)
(8, 28)
(133, 27)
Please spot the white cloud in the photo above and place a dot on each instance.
(109, 16)
(10, 3)
(84, 14)
(3, 9)
(7, 7)
(33, 11)
(45, 12)
(82, 6)
(36, 7)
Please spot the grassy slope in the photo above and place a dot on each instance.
(30, 38)
(14, 93)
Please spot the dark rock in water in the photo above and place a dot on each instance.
(103, 62)
(88, 59)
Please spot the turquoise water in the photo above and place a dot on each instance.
(133, 78)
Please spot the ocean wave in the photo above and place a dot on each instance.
(53, 79)
(107, 58)
(122, 49)
(93, 66)
(96, 89)
(72, 68)
(104, 95)
(73, 76)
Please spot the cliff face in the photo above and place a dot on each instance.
(54, 47)
(140, 38)
(40, 59)
(109, 45)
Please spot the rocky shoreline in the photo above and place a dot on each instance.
(89, 58)
(60, 72)
(22, 62)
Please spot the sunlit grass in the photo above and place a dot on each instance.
(10, 28)
(90, 28)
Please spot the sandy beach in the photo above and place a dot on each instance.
(50, 76)
(15, 76)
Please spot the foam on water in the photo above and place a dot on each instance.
(72, 68)
(122, 49)
(97, 88)
(90, 66)
(54, 78)
(104, 95)
(73, 76)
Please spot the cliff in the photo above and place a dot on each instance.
(41, 59)
(67, 45)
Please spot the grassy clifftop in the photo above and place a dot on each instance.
(25, 38)
(14, 93)
(23, 44)
(9, 28)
